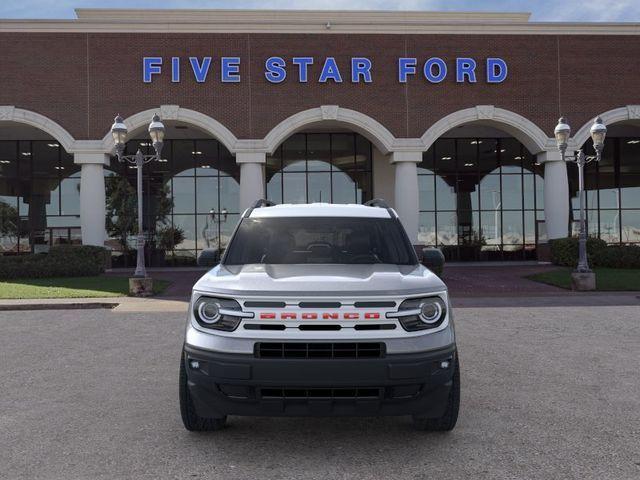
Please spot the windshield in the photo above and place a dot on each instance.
(329, 240)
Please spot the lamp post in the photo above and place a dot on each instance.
(583, 278)
(156, 132)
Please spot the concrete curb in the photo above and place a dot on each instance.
(57, 306)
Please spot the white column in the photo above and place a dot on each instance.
(92, 197)
(251, 177)
(406, 191)
(556, 194)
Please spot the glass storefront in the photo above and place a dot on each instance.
(612, 189)
(39, 196)
(320, 167)
(480, 199)
(192, 191)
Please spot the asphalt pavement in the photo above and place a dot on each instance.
(547, 392)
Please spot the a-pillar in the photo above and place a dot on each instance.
(556, 194)
(251, 177)
(92, 196)
(406, 190)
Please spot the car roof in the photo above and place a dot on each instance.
(320, 210)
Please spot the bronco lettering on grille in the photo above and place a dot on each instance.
(316, 316)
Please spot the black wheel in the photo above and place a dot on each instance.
(190, 418)
(447, 421)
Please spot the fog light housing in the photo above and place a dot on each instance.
(194, 364)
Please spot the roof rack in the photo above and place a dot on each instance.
(380, 203)
(263, 202)
(376, 202)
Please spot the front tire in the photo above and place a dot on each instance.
(446, 422)
(190, 418)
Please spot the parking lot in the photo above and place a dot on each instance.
(546, 393)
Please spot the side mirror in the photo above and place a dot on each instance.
(433, 259)
(209, 257)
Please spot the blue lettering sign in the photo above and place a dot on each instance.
(465, 67)
(150, 66)
(200, 70)
(303, 66)
(175, 69)
(275, 69)
(230, 69)
(496, 70)
(360, 67)
(330, 71)
(406, 66)
(434, 69)
(428, 70)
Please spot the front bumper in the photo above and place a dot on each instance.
(403, 384)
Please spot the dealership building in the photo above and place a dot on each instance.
(447, 116)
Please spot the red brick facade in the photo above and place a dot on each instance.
(80, 80)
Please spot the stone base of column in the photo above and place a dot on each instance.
(141, 287)
(583, 282)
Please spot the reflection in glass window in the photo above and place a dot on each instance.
(612, 191)
(39, 196)
(630, 223)
(426, 188)
(193, 191)
(445, 194)
(484, 204)
(320, 167)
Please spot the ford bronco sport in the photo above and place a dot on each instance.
(319, 309)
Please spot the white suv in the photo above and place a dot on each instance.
(319, 309)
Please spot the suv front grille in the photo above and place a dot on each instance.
(319, 350)
(312, 393)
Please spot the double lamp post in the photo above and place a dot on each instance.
(583, 278)
(140, 284)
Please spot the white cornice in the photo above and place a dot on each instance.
(293, 16)
(297, 21)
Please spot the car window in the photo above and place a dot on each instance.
(324, 240)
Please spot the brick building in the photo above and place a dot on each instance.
(448, 116)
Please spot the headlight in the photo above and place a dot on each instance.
(421, 313)
(218, 313)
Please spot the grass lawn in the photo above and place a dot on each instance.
(607, 279)
(71, 287)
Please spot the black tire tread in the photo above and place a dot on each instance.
(448, 421)
(190, 418)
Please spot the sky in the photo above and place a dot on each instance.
(542, 10)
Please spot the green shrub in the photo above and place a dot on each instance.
(564, 251)
(433, 259)
(618, 256)
(61, 261)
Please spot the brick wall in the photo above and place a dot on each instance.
(82, 80)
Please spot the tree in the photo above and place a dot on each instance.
(8, 220)
(122, 208)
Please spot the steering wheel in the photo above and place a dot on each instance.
(314, 245)
(364, 258)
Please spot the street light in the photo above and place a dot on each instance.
(119, 133)
(598, 132)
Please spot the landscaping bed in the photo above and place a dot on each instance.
(607, 279)
(71, 287)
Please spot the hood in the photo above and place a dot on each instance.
(320, 280)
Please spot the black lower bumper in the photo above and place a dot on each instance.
(231, 384)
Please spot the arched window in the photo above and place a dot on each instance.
(193, 191)
(480, 198)
(39, 196)
(321, 167)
